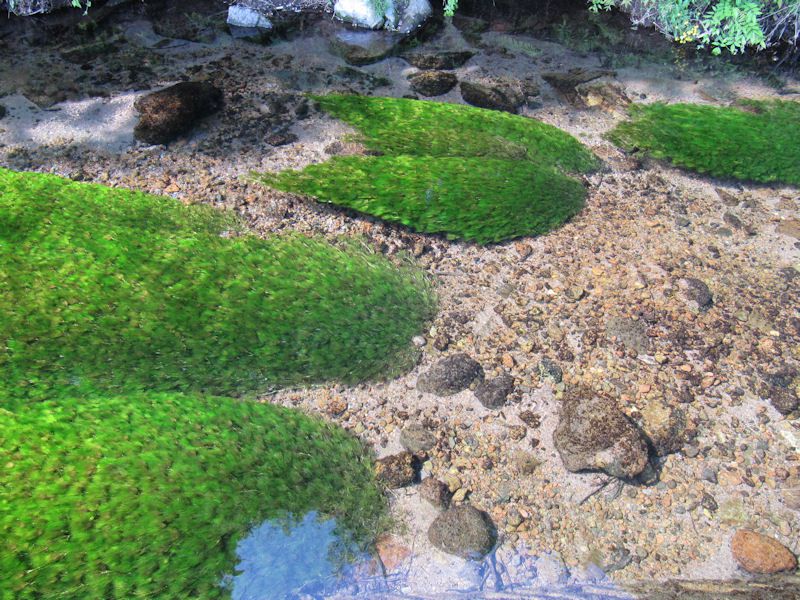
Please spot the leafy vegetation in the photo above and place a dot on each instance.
(148, 495)
(755, 141)
(106, 291)
(732, 25)
(474, 174)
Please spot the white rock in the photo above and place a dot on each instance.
(358, 12)
(406, 15)
(242, 16)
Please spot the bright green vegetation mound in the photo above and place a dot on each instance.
(445, 194)
(474, 174)
(147, 496)
(757, 141)
(106, 291)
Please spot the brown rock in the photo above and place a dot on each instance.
(790, 227)
(432, 83)
(392, 552)
(665, 427)
(757, 553)
(438, 60)
(492, 97)
(435, 492)
(173, 111)
(398, 470)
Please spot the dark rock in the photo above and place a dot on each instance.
(631, 333)
(435, 492)
(173, 111)
(446, 60)
(463, 531)
(493, 393)
(778, 387)
(695, 294)
(432, 83)
(566, 83)
(709, 474)
(398, 470)
(3, 111)
(281, 138)
(548, 368)
(491, 97)
(593, 434)
(416, 438)
(450, 375)
(530, 418)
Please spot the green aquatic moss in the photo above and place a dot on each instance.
(147, 496)
(755, 141)
(105, 291)
(469, 173)
(451, 195)
(426, 128)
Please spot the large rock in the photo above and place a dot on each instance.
(246, 22)
(463, 531)
(760, 554)
(403, 16)
(360, 48)
(432, 83)
(173, 111)
(492, 97)
(593, 434)
(450, 375)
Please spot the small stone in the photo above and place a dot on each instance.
(398, 470)
(416, 438)
(435, 492)
(446, 60)
(575, 293)
(709, 475)
(530, 418)
(514, 518)
(526, 463)
(517, 432)
(450, 375)
(460, 495)
(3, 111)
(281, 138)
(709, 503)
(418, 341)
(453, 482)
(392, 552)
(664, 426)
(760, 554)
(463, 531)
(494, 393)
(432, 83)
(630, 332)
(695, 294)
(336, 407)
(548, 368)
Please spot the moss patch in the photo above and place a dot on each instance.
(473, 174)
(147, 496)
(106, 291)
(756, 141)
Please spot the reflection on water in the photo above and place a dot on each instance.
(305, 558)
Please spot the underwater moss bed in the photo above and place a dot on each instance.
(106, 291)
(148, 495)
(755, 141)
(465, 172)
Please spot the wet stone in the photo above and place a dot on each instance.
(593, 434)
(695, 294)
(761, 554)
(445, 60)
(281, 138)
(435, 492)
(432, 83)
(173, 111)
(548, 368)
(416, 438)
(398, 470)
(665, 427)
(631, 333)
(463, 531)
(450, 375)
(491, 97)
(494, 393)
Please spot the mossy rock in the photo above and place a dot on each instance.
(754, 141)
(105, 291)
(464, 172)
(148, 495)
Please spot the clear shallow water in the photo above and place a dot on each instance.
(305, 558)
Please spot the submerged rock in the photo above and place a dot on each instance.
(664, 426)
(173, 111)
(567, 82)
(695, 294)
(432, 83)
(435, 492)
(761, 554)
(399, 15)
(498, 97)
(416, 438)
(631, 333)
(463, 531)
(450, 375)
(360, 48)
(444, 60)
(593, 434)
(493, 394)
(398, 470)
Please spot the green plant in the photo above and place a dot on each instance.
(147, 496)
(106, 291)
(755, 141)
(469, 173)
(731, 25)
